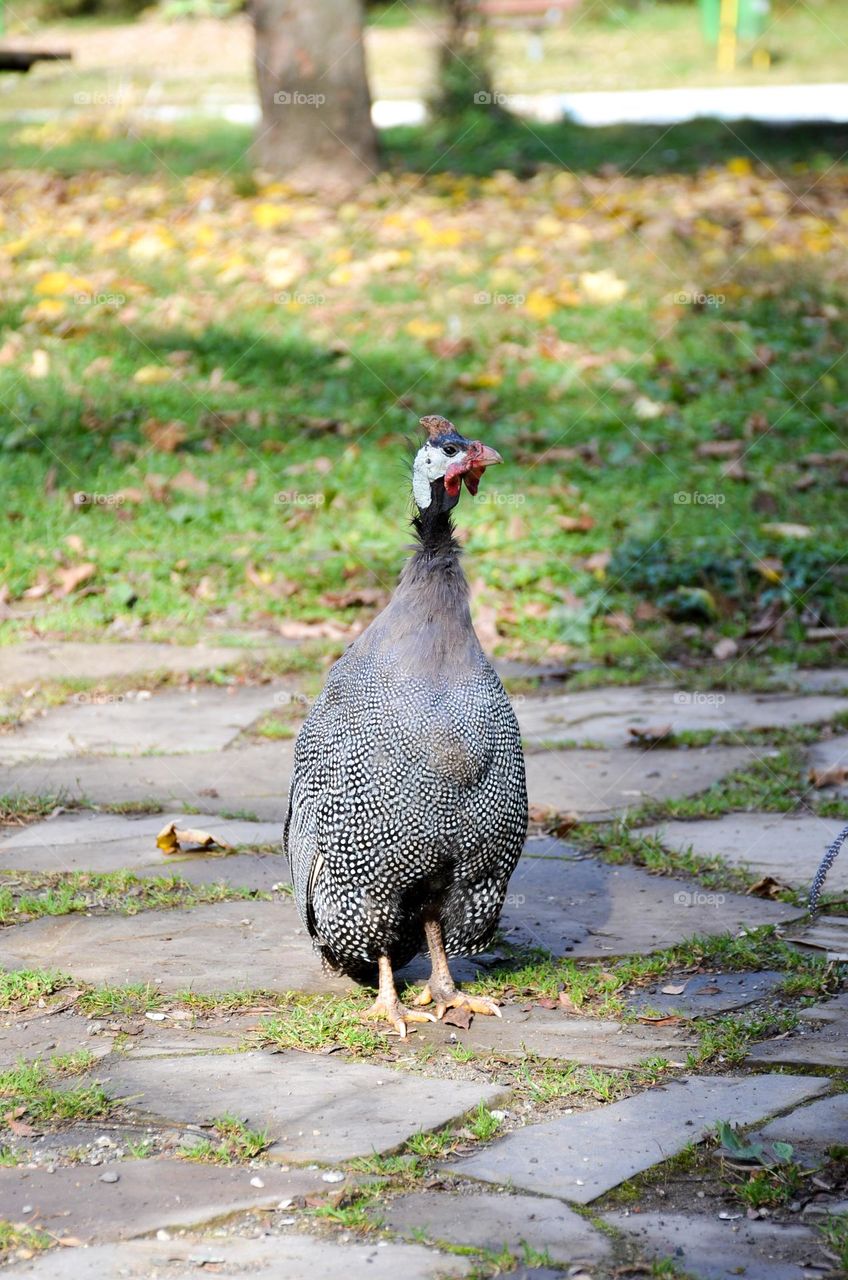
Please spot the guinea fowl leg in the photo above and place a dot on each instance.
(441, 989)
(388, 1008)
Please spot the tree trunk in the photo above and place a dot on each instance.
(465, 79)
(316, 125)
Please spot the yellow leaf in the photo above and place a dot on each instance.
(740, 166)
(424, 329)
(154, 244)
(539, 305)
(151, 374)
(602, 287)
(47, 309)
(268, 216)
(55, 283)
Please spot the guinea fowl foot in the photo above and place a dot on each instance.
(388, 1008)
(454, 999)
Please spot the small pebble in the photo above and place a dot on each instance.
(286, 1222)
(163, 1235)
(155, 1017)
(27, 1208)
(110, 1176)
(285, 1204)
(257, 1182)
(334, 1175)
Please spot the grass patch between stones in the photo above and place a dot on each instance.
(236, 1143)
(29, 1089)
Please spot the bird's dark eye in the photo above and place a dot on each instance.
(450, 450)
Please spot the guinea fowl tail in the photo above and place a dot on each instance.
(824, 866)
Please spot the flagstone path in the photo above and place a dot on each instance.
(377, 1157)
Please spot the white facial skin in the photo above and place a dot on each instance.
(431, 463)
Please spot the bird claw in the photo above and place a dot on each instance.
(397, 1015)
(457, 999)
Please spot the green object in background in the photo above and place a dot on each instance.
(750, 23)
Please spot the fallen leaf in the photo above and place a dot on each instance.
(545, 1002)
(69, 1242)
(674, 988)
(171, 839)
(458, 1016)
(164, 436)
(356, 596)
(664, 1020)
(597, 562)
(19, 1128)
(725, 648)
(767, 887)
(565, 1002)
(642, 734)
(151, 374)
(794, 531)
(719, 448)
(187, 482)
(833, 776)
(575, 524)
(69, 579)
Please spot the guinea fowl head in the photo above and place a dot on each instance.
(444, 461)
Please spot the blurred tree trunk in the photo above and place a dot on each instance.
(313, 89)
(465, 80)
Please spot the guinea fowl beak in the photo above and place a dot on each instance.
(475, 461)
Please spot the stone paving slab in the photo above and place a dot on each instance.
(252, 778)
(713, 1250)
(599, 784)
(255, 778)
(827, 934)
(222, 946)
(116, 842)
(38, 660)
(706, 993)
(556, 1034)
(805, 1048)
(313, 1108)
(175, 721)
(822, 1123)
(286, 1257)
(172, 1038)
(820, 680)
(606, 715)
(148, 1195)
(579, 1157)
(835, 1010)
(585, 907)
(786, 846)
(497, 1222)
(831, 752)
(31, 1038)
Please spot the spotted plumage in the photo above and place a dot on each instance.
(408, 800)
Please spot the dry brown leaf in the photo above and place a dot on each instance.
(597, 562)
(665, 1020)
(293, 630)
(833, 776)
(459, 1016)
(619, 621)
(719, 448)
(188, 482)
(735, 470)
(164, 436)
(767, 887)
(642, 734)
(646, 612)
(67, 580)
(172, 839)
(575, 524)
(565, 1002)
(19, 1128)
(69, 1242)
(355, 596)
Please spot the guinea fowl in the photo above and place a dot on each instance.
(408, 801)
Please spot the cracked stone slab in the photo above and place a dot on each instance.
(29, 1038)
(149, 1195)
(607, 715)
(706, 992)
(38, 660)
(579, 1157)
(597, 784)
(176, 1035)
(714, 1250)
(313, 1108)
(255, 777)
(221, 946)
(178, 721)
(826, 933)
(286, 1257)
(116, 842)
(786, 846)
(497, 1222)
(820, 1124)
(584, 907)
(806, 1047)
(550, 1033)
(252, 778)
(835, 1010)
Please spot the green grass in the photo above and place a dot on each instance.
(29, 1089)
(23, 988)
(63, 893)
(313, 404)
(235, 1144)
(835, 1232)
(15, 1237)
(315, 1023)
